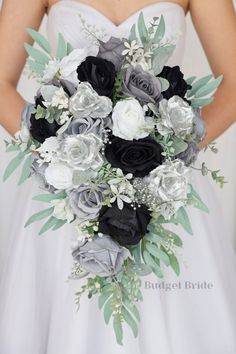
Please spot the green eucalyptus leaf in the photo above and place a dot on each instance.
(198, 84)
(183, 219)
(39, 216)
(179, 145)
(35, 66)
(36, 54)
(132, 308)
(156, 252)
(39, 39)
(117, 325)
(48, 225)
(108, 310)
(143, 270)
(209, 88)
(160, 31)
(201, 102)
(13, 164)
(161, 56)
(12, 148)
(69, 48)
(26, 169)
(130, 321)
(196, 201)
(61, 47)
(104, 296)
(59, 223)
(142, 29)
(47, 198)
(164, 84)
(174, 263)
(149, 260)
(190, 80)
(133, 35)
(136, 253)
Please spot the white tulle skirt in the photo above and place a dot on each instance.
(38, 314)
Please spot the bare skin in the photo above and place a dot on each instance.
(216, 31)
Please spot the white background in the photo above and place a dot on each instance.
(195, 63)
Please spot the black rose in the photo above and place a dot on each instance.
(41, 129)
(100, 73)
(178, 86)
(127, 226)
(138, 157)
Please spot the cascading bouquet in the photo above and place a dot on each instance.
(112, 136)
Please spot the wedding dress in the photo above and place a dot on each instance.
(38, 314)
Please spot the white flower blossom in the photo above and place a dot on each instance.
(64, 117)
(50, 71)
(60, 99)
(131, 48)
(61, 210)
(49, 150)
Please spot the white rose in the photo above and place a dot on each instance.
(59, 175)
(70, 63)
(129, 121)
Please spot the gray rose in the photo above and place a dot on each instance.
(112, 51)
(26, 114)
(86, 201)
(88, 126)
(102, 256)
(140, 84)
(199, 126)
(189, 156)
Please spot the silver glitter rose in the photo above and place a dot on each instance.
(87, 103)
(169, 182)
(82, 152)
(138, 83)
(86, 201)
(112, 51)
(176, 117)
(102, 256)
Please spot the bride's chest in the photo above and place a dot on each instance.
(79, 23)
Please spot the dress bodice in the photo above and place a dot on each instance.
(75, 20)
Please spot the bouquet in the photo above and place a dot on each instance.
(112, 139)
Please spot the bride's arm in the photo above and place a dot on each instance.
(215, 23)
(15, 16)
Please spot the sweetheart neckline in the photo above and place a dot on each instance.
(117, 26)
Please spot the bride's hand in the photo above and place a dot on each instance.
(15, 17)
